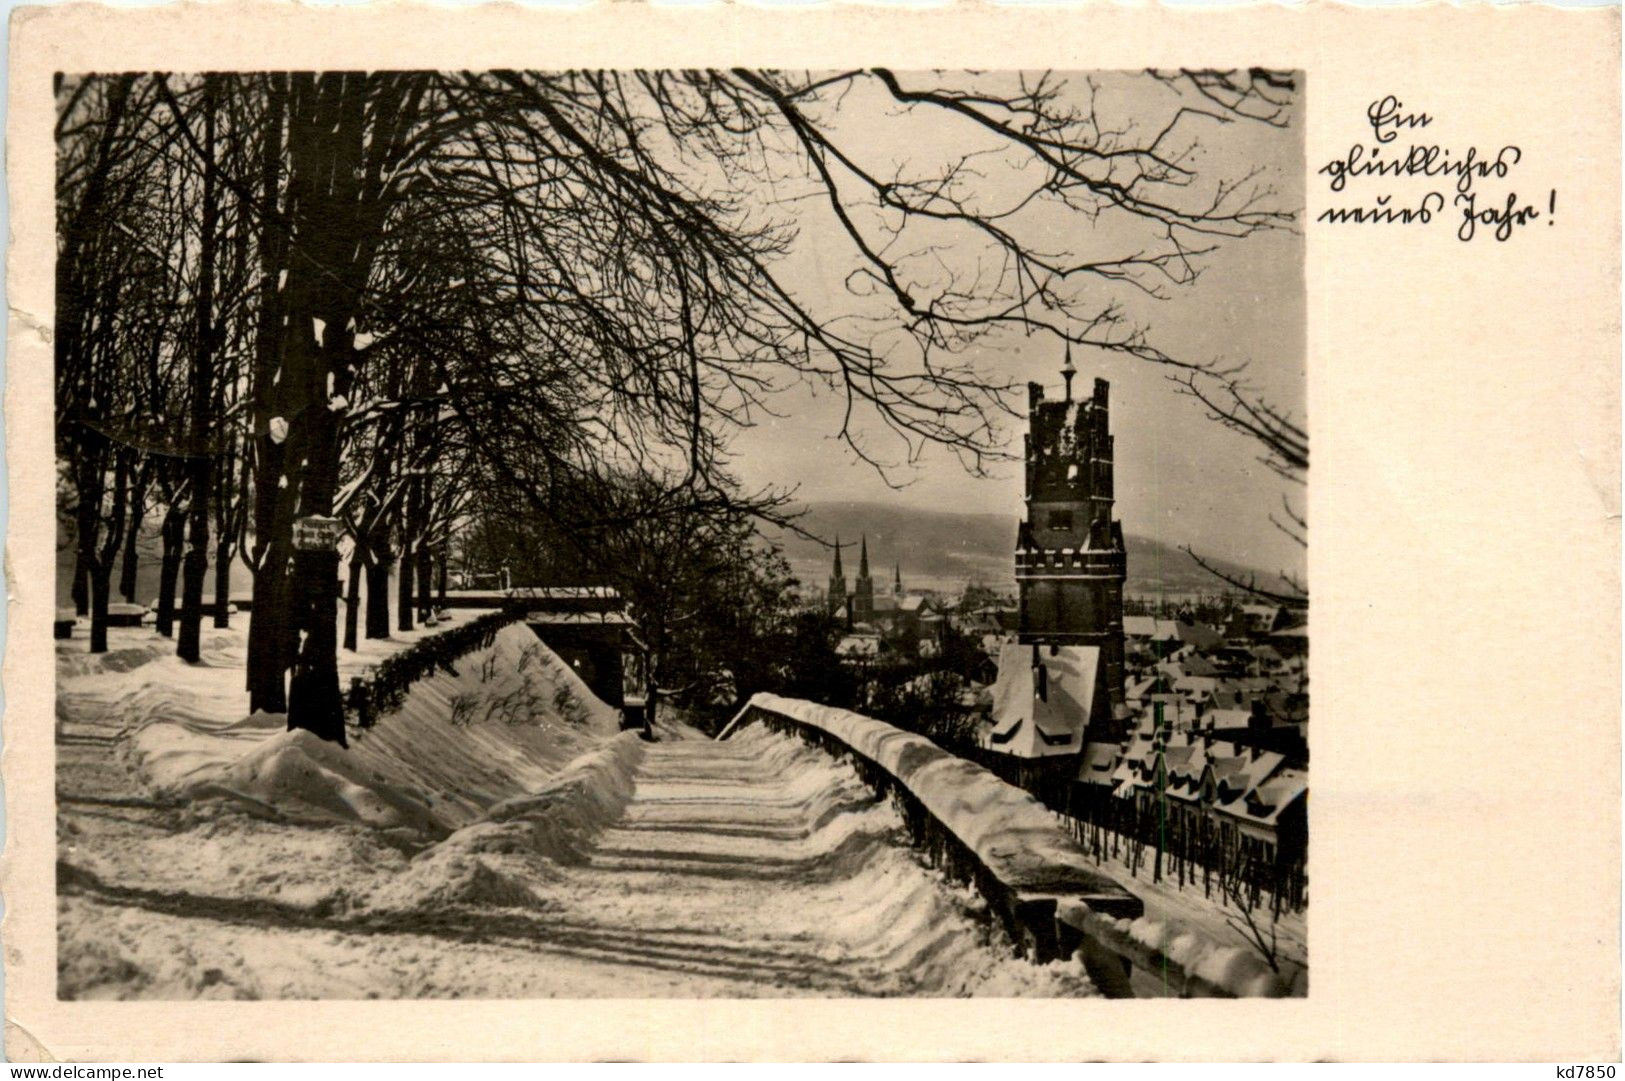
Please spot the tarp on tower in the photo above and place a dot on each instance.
(1041, 699)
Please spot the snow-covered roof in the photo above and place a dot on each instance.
(1143, 689)
(858, 645)
(1195, 685)
(1175, 756)
(1041, 699)
(1263, 803)
(1224, 719)
(1199, 635)
(1097, 763)
(1198, 665)
(1158, 630)
(1139, 626)
(1233, 777)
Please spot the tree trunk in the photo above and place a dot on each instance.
(129, 563)
(100, 587)
(440, 586)
(352, 602)
(81, 583)
(378, 598)
(188, 643)
(268, 622)
(174, 535)
(222, 583)
(194, 569)
(403, 587)
(425, 563)
(227, 524)
(102, 559)
(270, 634)
(314, 701)
(89, 482)
(338, 205)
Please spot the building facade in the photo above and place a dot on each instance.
(1070, 560)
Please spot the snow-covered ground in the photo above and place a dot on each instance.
(1188, 908)
(496, 838)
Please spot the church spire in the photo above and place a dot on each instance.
(1068, 371)
(837, 581)
(863, 590)
(897, 579)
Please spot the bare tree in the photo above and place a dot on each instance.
(590, 275)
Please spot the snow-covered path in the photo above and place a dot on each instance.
(730, 867)
(753, 867)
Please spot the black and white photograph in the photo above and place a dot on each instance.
(725, 533)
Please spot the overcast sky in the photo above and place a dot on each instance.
(1180, 477)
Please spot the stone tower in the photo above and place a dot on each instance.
(863, 590)
(837, 582)
(1070, 560)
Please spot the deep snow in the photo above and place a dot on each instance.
(1026, 846)
(523, 850)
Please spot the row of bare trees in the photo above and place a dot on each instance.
(368, 297)
(198, 272)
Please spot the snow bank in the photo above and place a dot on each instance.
(494, 773)
(847, 824)
(1012, 834)
(499, 728)
(299, 776)
(517, 842)
(587, 795)
(1185, 958)
(1016, 838)
(926, 935)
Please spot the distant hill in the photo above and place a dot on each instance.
(937, 550)
(944, 549)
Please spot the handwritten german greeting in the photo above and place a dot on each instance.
(1400, 177)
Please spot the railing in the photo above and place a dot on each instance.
(971, 824)
(1036, 877)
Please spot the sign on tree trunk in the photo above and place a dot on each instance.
(315, 533)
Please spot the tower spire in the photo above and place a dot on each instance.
(1068, 371)
(837, 582)
(863, 591)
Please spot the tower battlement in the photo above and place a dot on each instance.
(1070, 561)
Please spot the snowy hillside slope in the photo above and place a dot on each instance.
(503, 725)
